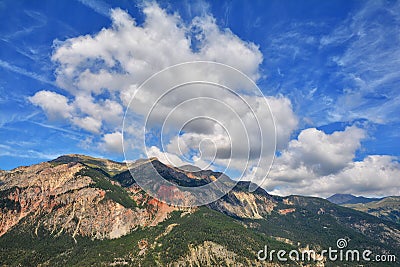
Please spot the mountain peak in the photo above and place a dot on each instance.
(55, 210)
(190, 168)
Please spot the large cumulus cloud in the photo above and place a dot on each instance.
(99, 74)
(321, 164)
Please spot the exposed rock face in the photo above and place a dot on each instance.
(33, 191)
(213, 254)
(241, 204)
(208, 254)
(286, 211)
(61, 197)
(58, 199)
(77, 195)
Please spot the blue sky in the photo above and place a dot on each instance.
(336, 62)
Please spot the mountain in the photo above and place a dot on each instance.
(82, 211)
(342, 199)
(387, 208)
(190, 168)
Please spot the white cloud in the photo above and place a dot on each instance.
(375, 175)
(315, 154)
(102, 71)
(103, 110)
(112, 142)
(286, 120)
(320, 152)
(322, 164)
(114, 61)
(97, 63)
(224, 46)
(165, 157)
(54, 105)
(87, 123)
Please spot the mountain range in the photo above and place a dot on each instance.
(387, 208)
(342, 199)
(78, 210)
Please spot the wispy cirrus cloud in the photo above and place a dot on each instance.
(28, 154)
(339, 70)
(98, 6)
(39, 20)
(369, 65)
(22, 71)
(53, 127)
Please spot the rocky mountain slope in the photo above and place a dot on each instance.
(342, 199)
(387, 208)
(71, 198)
(82, 211)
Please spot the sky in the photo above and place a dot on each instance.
(329, 71)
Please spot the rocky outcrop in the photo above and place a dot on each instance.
(243, 204)
(36, 190)
(213, 254)
(75, 196)
(286, 211)
(208, 254)
(57, 198)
